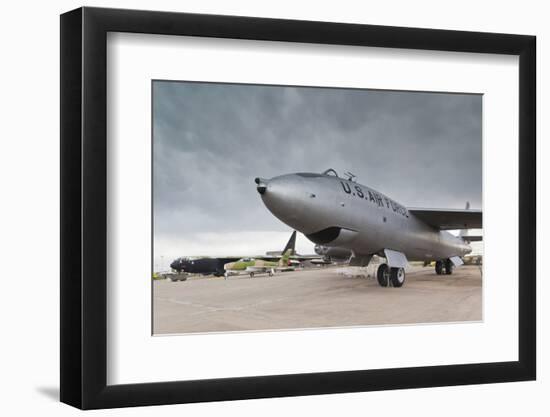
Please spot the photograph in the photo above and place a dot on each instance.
(283, 207)
(312, 209)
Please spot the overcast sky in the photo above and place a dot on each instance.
(211, 141)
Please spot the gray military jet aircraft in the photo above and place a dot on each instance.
(339, 212)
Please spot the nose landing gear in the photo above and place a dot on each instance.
(394, 276)
(383, 275)
(397, 277)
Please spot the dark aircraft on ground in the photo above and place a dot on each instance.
(215, 266)
(204, 266)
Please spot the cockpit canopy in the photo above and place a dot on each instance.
(328, 173)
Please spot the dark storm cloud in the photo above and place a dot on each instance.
(212, 140)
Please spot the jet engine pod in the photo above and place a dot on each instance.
(334, 236)
(320, 249)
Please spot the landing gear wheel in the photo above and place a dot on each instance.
(383, 275)
(439, 267)
(271, 272)
(252, 275)
(397, 276)
(448, 267)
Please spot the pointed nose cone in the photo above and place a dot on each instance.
(309, 203)
(261, 185)
(287, 198)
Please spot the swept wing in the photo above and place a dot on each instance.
(449, 219)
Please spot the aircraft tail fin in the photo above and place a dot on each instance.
(291, 244)
(285, 259)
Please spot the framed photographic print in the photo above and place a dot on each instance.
(255, 208)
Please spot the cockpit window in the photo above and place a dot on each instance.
(330, 171)
(327, 173)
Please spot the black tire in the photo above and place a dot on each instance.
(397, 277)
(252, 275)
(448, 267)
(439, 267)
(383, 275)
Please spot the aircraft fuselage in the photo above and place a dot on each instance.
(204, 266)
(333, 211)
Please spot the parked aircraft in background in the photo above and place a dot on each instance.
(215, 266)
(253, 266)
(204, 266)
(339, 212)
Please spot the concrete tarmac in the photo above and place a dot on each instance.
(314, 298)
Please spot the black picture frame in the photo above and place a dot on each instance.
(84, 207)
